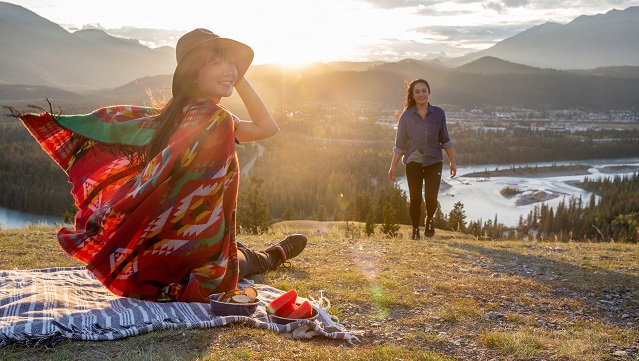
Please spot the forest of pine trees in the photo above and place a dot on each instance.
(613, 217)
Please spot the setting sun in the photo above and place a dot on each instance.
(302, 33)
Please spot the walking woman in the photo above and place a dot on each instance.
(157, 189)
(421, 136)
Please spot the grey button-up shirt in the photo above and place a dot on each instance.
(418, 137)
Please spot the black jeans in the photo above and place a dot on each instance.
(429, 177)
(252, 262)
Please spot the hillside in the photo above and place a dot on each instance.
(492, 65)
(628, 72)
(21, 93)
(487, 81)
(587, 42)
(448, 298)
(40, 52)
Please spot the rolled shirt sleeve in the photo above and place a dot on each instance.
(444, 138)
(401, 137)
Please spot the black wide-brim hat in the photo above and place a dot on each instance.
(241, 54)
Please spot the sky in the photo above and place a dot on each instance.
(293, 32)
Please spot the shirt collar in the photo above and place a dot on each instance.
(414, 109)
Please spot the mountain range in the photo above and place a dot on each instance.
(41, 59)
(36, 51)
(601, 40)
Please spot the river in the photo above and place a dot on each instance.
(482, 199)
(14, 219)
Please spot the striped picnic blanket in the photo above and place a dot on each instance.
(46, 306)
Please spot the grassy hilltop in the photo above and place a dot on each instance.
(451, 297)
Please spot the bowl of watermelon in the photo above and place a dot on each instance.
(285, 309)
(234, 302)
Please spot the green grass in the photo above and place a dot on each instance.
(451, 297)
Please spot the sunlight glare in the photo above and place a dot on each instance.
(300, 33)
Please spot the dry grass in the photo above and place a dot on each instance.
(447, 298)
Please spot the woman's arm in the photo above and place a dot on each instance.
(453, 163)
(394, 161)
(401, 137)
(262, 124)
(447, 144)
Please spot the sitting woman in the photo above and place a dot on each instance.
(157, 189)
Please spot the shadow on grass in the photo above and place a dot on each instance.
(614, 295)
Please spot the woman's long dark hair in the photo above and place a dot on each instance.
(410, 101)
(170, 116)
(167, 121)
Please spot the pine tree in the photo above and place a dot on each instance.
(69, 215)
(487, 229)
(457, 217)
(369, 228)
(439, 219)
(358, 208)
(338, 214)
(474, 228)
(253, 214)
(321, 214)
(626, 227)
(382, 199)
(389, 225)
(289, 213)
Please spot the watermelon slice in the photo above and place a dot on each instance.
(305, 310)
(283, 305)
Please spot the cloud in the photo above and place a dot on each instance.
(149, 37)
(471, 34)
(393, 4)
(421, 4)
(496, 6)
(580, 6)
(563, 4)
(427, 7)
(442, 41)
(515, 3)
(440, 13)
(398, 50)
(502, 6)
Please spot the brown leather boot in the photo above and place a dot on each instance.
(288, 248)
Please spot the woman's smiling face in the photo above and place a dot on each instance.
(421, 93)
(216, 78)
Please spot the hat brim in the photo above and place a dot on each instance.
(241, 54)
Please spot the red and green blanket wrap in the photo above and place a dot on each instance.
(161, 230)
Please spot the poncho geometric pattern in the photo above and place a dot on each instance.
(159, 230)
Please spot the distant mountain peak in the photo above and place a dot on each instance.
(99, 35)
(493, 65)
(589, 41)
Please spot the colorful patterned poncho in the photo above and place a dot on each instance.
(161, 230)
